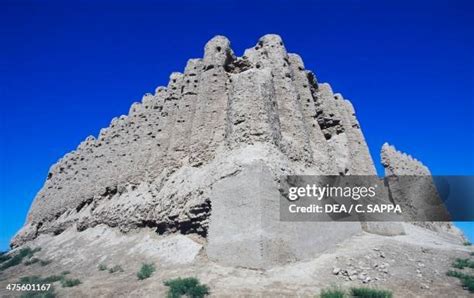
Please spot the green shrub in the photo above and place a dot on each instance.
(35, 279)
(35, 250)
(145, 271)
(52, 278)
(332, 293)
(467, 243)
(116, 268)
(370, 293)
(46, 280)
(31, 261)
(67, 283)
(36, 260)
(48, 294)
(467, 280)
(45, 262)
(463, 263)
(455, 273)
(471, 253)
(4, 257)
(190, 287)
(18, 257)
(102, 267)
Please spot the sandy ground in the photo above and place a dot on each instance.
(412, 265)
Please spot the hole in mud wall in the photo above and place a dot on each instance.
(197, 222)
(58, 231)
(83, 204)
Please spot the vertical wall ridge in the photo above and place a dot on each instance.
(316, 140)
(270, 53)
(186, 107)
(212, 99)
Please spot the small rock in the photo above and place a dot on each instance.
(336, 271)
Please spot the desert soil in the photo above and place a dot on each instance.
(412, 265)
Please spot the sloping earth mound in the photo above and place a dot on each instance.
(399, 263)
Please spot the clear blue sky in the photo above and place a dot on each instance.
(68, 69)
